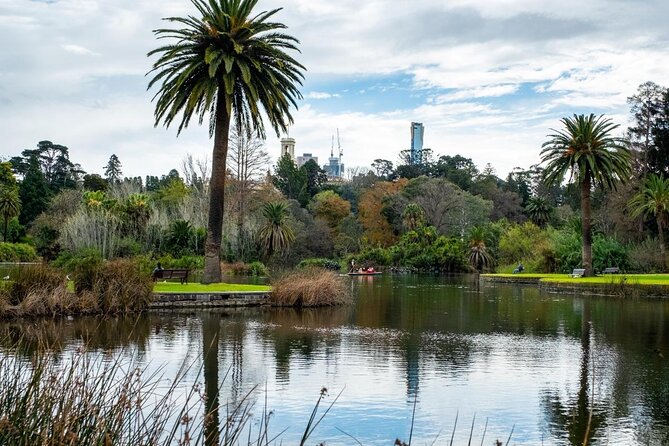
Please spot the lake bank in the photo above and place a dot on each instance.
(618, 285)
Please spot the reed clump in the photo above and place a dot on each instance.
(312, 287)
(120, 287)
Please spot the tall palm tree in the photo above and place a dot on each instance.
(653, 199)
(10, 206)
(275, 236)
(225, 64)
(593, 158)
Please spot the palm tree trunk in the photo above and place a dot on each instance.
(586, 230)
(212, 247)
(663, 251)
(4, 239)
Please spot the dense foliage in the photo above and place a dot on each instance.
(432, 213)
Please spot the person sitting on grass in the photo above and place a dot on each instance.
(519, 269)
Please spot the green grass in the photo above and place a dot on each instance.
(176, 287)
(608, 279)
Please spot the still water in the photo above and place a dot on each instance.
(500, 358)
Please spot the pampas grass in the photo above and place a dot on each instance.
(313, 287)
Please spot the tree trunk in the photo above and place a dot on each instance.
(6, 226)
(212, 247)
(586, 230)
(660, 232)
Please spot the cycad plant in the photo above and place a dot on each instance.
(225, 63)
(586, 149)
(479, 257)
(539, 211)
(653, 200)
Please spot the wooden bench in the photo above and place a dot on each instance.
(578, 272)
(181, 274)
(612, 270)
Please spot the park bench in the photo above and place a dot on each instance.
(578, 272)
(181, 274)
(612, 270)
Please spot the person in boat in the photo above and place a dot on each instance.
(351, 268)
(370, 269)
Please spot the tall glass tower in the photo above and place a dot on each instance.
(417, 131)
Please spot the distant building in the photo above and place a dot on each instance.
(302, 160)
(288, 146)
(417, 132)
(334, 168)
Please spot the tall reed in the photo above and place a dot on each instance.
(311, 287)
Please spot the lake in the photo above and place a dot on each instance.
(499, 358)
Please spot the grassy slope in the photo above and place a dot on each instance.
(176, 287)
(632, 279)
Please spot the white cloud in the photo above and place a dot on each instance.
(76, 49)
(321, 95)
(580, 55)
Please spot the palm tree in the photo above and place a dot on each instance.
(275, 236)
(413, 216)
(653, 199)
(10, 206)
(538, 210)
(586, 149)
(479, 257)
(227, 65)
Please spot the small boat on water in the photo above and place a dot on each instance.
(374, 273)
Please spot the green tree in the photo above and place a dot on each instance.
(330, 207)
(275, 236)
(10, 206)
(586, 149)
(653, 200)
(227, 63)
(291, 181)
(413, 217)
(113, 169)
(95, 182)
(539, 211)
(34, 193)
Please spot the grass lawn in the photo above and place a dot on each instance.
(176, 287)
(632, 279)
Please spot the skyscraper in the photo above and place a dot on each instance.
(417, 131)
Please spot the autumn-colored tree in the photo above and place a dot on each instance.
(330, 207)
(378, 230)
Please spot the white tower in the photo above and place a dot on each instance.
(288, 146)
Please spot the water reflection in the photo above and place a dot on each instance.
(509, 354)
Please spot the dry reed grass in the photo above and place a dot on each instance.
(313, 287)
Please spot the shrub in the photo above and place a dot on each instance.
(311, 287)
(376, 256)
(257, 269)
(34, 279)
(121, 287)
(245, 269)
(320, 263)
(646, 257)
(17, 252)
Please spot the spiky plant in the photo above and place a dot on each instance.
(653, 200)
(275, 236)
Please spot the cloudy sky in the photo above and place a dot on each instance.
(487, 78)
